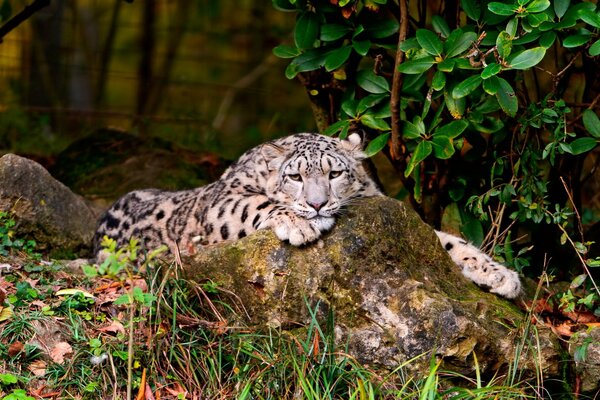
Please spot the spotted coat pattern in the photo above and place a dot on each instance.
(294, 185)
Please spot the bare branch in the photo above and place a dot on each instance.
(21, 17)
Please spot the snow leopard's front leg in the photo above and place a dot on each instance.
(297, 230)
(480, 268)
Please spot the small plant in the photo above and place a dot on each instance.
(8, 242)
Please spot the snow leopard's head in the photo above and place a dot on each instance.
(317, 175)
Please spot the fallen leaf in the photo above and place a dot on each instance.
(6, 313)
(15, 348)
(59, 351)
(37, 367)
(563, 329)
(38, 303)
(113, 327)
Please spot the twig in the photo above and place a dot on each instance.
(21, 17)
(396, 141)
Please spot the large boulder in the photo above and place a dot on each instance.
(395, 292)
(45, 210)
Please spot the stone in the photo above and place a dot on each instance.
(395, 293)
(44, 209)
(584, 347)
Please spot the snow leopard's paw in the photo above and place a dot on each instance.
(480, 268)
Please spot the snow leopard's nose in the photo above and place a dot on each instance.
(316, 205)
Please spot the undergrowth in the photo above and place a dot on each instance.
(127, 329)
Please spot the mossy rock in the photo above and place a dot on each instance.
(395, 292)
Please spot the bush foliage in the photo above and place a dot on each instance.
(487, 110)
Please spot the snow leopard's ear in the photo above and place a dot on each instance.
(354, 143)
(274, 155)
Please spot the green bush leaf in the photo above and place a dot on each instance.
(411, 131)
(371, 121)
(537, 6)
(591, 123)
(337, 58)
(306, 31)
(422, 151)
(443, 147)
(439, 80)
(332, 32)
(285, 51)
(466, 86)
(382, 29)
(491, 70)
(528, 58)
(455, 106)
(377, 144)
(452, 129)
(336, 127)
(372, 83)
(583, 145)
(590, 17)
(506, 97)
(547, 39)
(595, 48)
(370, 101)
(361, 46)
(446, 66)
(472, 8)
(417, 66)
(309, 61)
(504, 44)
(561, 7)
(501, 8)
(430, 42)
(576, 40)
(458, 42)
(440, 25)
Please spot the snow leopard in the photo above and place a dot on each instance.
(295, 185)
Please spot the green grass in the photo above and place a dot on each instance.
(129, 332)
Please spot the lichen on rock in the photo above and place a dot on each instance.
(395, 292)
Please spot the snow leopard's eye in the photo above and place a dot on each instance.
(335, 174)
(295, 177)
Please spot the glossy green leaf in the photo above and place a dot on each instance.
(430, 42)
(416, 66)
(575, 40)
(306, 30)
(377, 144)
(372, 83)
(337, 58)
(537, 6)
(595, 48)
(285, 51)
(472, 8)
(440, 25)
(535, 20)
(411, 131)
(466, 87)
(462, 42)
(372, 122)
(527, 59)
(443, 147)
(583, 145)
(361, 46)
(309, 61)
(446, 66)
(455, 106)
(504, 44)
(491, 70)
(561, 7)
(502, 8)
(332, 32)
(591, 123)
(452, 129)
(284, 5)
(422, 151)
(370, 101)
(511, 27)
(547, 39)
(439, 80)
(337, 127)
(349, 107)
(506, 97)
(382, 29)
(590, 17)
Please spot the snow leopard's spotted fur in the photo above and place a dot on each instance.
(295, 185)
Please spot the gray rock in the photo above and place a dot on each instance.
(45, 210)
(395, 292)
(584, 347)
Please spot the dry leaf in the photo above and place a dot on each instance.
(15, 348)
(114, 327)
(37, 367)
(58, 352)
